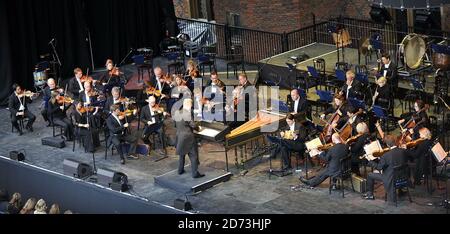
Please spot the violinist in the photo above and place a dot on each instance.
(389, 70)
(158, 82)
(419, 152)
(352, 88)
(357, 147)
(333, 156)
(420, 118)
(191, 74)
(88, 96)
(382, 95)
(117, 99)
(51, 86)
(153, 117)
(215, 81)
(111, 77)
(57, 109)
(386, 163)
(85, 129)
(292, 139)
(75, 84)
(18, 106)
(117, 133)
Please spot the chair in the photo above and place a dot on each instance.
(325, 98)
(176, 64)
(237, 60)
(21, 121)
(401, 180)
(108, 144)
(357, 103)
(342, 66)
(207, 59)
(77, 136)
(361, 69)
(54, 126)
(142, 65)
(417, 93)
(381, 114)
(345, 174)
(315, 79)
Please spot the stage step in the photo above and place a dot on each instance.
(186, 184)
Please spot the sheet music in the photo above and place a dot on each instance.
(439, 152)
(372, 147)
(313, 144)
(209, 132)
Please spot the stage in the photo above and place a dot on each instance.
(252, 192)
(275, 69)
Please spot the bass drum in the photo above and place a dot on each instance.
(413, 49)
(40, 78)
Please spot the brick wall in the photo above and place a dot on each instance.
(446, 18)
(182, 8)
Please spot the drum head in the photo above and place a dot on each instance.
(414, 50)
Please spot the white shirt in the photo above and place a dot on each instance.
(385, 70)
(22, 107)
(116, 101)
(80, 84)
(117, 118)
(292, 127)
(152, 113)
(88, 99)
(159, 84)
(348, 88)
(296, 105)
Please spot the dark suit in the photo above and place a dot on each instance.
(186, 142)
(391, 159)
(333, 157)
(357, 150)
(301, 107)
(109, 102)
(14, 106)
(117, 135)
(284, 145)
(47, 95)
(355, 91)
(421, 156)
(391, 75)
(84, 98)
(75, 88)
(156, 127)
(384, 96)
(58, 117)
(90, 136)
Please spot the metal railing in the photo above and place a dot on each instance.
(258, 45)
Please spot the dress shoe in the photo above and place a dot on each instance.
(20, 133)
(29, 128)
(122, 161)
(181, 172)
(368, 197)
(304, 180)
(132, 156)
(198, 175)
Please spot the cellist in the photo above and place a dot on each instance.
(339, 117)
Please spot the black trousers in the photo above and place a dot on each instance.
(91, 139)
(67, 125)
(27, 114)
(128, 138)
(371, 178)
(318, 179)
(154, 128)
(193, 157)
(284, 147)
(45, 114)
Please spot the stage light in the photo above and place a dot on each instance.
(17, 155)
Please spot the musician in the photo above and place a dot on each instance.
(292, 139)
(18, 106)
(178, 92)
(352, 88)
(75, 84)
(340, 107)
(118, 133)
(420, 154)
(215, 81)
(153, 117)
(57, 112)
(47, 94)
(191, 73)
(389, 70)
(382, 94)
(244, 96)
(116, 99)
(297, 104)
(420, 117)
(186, 142)
(111, 77)
(395, 157)
(158, 82)
(88, 96)
(83, 122)
(333, 156)
(357, 148)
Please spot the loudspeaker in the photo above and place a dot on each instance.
(57, 142)
(182, 204)
(76, 169)
(380, 14)
(16, 155)
(115, 180)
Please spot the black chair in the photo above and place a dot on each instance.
(109, 144)
(176, 63)
(236, 60)
(21, 121)
(54, 126)
(77, 136)
(401, 180)
(411, 96)
(345, 174)
(207, 59)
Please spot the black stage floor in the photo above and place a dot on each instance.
(252, 192)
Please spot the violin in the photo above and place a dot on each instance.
(86, 109)
(414, 143)
(352, 139)
(64, 100)
(25, 93)
(114, 72)
(153, 91)
(325, 147)
(86, 79)
(126, 113)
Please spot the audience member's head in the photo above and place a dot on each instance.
(54, 209)
(41, 207)
(28, 208)
(15, 204)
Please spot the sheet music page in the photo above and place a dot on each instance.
(439, 152)
(372, 147)
(208, 132)
(313, 144)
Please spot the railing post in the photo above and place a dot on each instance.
(314, 27)
(284, 42)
